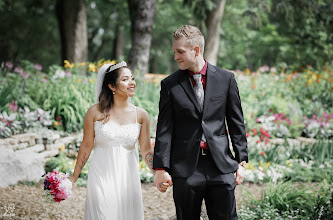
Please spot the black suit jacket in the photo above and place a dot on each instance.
(181, 123)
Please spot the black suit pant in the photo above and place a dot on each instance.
(210, 184)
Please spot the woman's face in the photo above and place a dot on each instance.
(125, 83)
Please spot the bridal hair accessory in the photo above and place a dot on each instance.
(106, 68)
(113, 67)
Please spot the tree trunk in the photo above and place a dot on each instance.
(72, 20)
(213, 24)
(142, 27)
(118, 43)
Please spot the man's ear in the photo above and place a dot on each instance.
(197, 51)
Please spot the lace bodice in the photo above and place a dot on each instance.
(112, 134)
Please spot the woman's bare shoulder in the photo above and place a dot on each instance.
(142, 115)
(94, 113)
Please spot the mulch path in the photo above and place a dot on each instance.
(27, 202)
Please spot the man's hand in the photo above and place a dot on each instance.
(240, 174)
(162, 180)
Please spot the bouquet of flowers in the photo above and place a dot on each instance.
(57, 186)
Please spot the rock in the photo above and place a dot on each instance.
(277, 141)
(29, 138)
(37, 148)
(19, 166)
(307, 140)
(293, 142)
(8, 141)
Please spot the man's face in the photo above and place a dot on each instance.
(184, 55)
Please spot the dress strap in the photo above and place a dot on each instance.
(136, 116)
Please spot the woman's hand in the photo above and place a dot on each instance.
(72, 179)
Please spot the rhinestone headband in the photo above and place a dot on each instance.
(117, 66)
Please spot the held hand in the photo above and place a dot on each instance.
(240, 174)
(162, 180)
(72, 179)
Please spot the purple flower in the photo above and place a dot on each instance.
(13, 106)
(9, 64)
(24, 75)
(43, 80)
(264, 68)
(68, 73)
(38, 66)
(18, 70)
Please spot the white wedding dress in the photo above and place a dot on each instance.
(114, 187)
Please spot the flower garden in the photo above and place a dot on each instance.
(288, 116)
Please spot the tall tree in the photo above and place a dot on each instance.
(72, 20)
(213, 25)
(210, 11)
(142, 13)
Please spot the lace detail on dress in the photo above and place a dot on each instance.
(116, 135)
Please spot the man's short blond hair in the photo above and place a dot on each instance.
(192, 35)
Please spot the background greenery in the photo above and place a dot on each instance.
(281, 33)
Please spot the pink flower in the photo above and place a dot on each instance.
(13, 106)
(9, 64)
(38, 66)
(68, 73)
(24, 75)
(18, 70)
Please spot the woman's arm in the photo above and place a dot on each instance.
(146, 149)
(86, 145)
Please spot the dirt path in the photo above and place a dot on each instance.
(27, 202)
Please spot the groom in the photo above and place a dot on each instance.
(199, 105)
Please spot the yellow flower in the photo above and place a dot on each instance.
(314, 76)
(264, 164)
(78, 80)
(92, 67)
(141, 164)
(310, 81)
(62, 148)
(289, 163)
(67, 64)
(250, 166)
(91, 80)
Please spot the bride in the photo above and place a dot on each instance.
(113, 126)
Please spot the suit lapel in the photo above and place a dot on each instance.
(186, 84)
(210, 85)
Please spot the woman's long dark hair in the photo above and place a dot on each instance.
(106, 96)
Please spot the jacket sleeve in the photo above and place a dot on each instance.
(235, 122)
(164, 130)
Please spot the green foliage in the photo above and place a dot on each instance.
(5, 94)
(61, 162)
(289, 201)
(20, 42)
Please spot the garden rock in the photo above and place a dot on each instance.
(20, 166)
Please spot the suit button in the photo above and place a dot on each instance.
(202, 122)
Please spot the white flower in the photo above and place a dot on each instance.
(59, 74)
